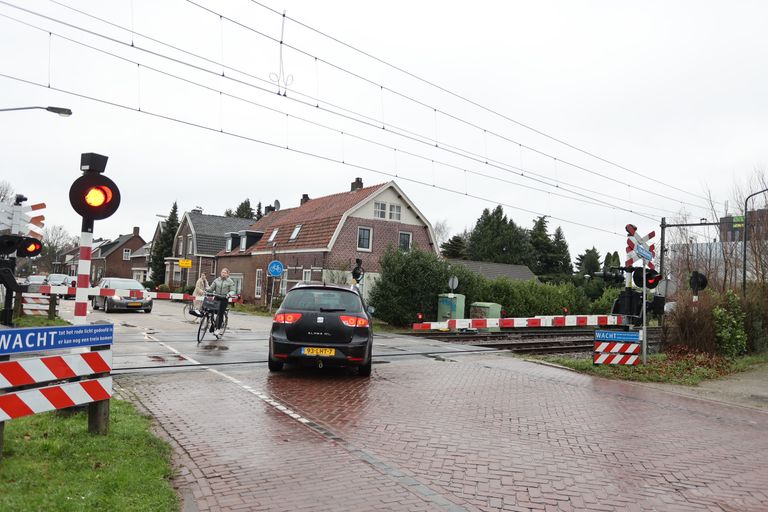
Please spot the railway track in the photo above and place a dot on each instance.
(539, 341)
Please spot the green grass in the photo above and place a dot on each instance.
(51, 462)
(687, 369)
(252, 309)
(38, 321)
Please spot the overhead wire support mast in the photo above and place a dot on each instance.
(454, 94)
(590, 200)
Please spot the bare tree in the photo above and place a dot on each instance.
(442, 230)
(6, 192)
(56, 241)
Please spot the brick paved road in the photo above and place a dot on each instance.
(474, 433)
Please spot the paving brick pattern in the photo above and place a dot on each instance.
(478, 433)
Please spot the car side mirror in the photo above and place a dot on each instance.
(371, 309)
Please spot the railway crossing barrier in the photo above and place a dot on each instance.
(38, 304)
(617, 347)
(110, 292)
(524, 322)
(32, 385)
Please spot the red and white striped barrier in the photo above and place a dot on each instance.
(109, 292)
(509, 323)
(617, 347)
(626, 359)
(83, 275)
(23, 372)
(62, 396)
(34, 304)
(616, 352)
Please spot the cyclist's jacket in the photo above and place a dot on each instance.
(221, 286)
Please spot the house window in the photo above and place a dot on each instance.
(126, 254)
(242, 243)
(380, 210)
(238, 279)
(306, 275)
(364, 239)
(259, 276)
(394, 212)
(295, 233)
(189, 244)
(273, 235)
(284, 283)
(181, 247)
(229, 244)
(405, 241)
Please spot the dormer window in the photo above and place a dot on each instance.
(273, 235)
(295, 233)
(242, 243)
(229, 244)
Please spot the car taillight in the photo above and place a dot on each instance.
(287, 318)
(354, 321)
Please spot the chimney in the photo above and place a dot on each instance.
(268, 210)
(135, 231)
(197, 209)
(357, 184)
(304, 198)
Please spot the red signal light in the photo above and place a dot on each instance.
(29, 247)
(98, 196)
(94, 196)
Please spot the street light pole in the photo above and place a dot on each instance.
(746, 230)
(63, 112)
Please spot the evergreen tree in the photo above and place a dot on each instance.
(259, 213)
(589, 262)
(607, 262)
(499, 240)
(544, 258)
(243, 210)
(455, 247)
(163, 247)
(562, 254)
(229, 213)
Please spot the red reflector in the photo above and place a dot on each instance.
(281, 356)
(353, 321)
(355, 359)
(287, 318)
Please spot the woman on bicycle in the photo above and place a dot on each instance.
(223, 286)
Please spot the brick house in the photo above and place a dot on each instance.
(198, 238)
(113, 258)
(321, 238)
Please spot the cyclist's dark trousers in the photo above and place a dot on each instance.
(220, 316)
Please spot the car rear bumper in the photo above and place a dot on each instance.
(346, 354)
(128, 304)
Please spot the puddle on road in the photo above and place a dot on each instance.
(214, 347)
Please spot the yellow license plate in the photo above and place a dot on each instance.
(318, 351)
(137, 304)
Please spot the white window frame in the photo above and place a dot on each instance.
(126, 255)
(189, 244)
(295, 233)
(273, 235)
(181, 246)
(284, 283)
(243, 239)
(259, 278)
(370, 239)
(306, 274)
(229, 244)
(238, 279)
(410, 240)
(379, 208)
(395, 209)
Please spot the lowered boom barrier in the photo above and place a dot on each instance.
(513, 323)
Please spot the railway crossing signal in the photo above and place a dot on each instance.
(652, 278)
(93, 195)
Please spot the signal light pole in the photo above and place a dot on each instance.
(94, 197)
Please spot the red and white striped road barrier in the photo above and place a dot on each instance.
(616, 347)
(83, 275)
(626, 359)
(34, 401)
(34, 304)
(23, 372)
(110, 292)
(509, 323)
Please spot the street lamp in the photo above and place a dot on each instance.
(63, 112)
(744, 269)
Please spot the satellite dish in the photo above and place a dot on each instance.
(277, 205)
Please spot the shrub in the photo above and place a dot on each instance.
(692, 324)
(604, 303)
(149, 285)
(163, 288)
(730, 333)
(756, 318)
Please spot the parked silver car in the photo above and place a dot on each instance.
(121, 302)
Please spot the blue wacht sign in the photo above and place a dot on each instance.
(630, 336)
(16, 341)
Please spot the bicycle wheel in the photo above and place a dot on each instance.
(224, 323)
(203, 327)
(185, 313)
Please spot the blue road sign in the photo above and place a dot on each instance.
(644, 253)
(275, 268)
(16, 341)
(631, 336)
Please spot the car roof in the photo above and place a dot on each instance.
(324, 285)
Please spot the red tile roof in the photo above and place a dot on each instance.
(318, 217)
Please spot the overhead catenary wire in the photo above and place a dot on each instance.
(470, 101)
(363, 119)
(447, 114)
(591, 200)
(305, 153)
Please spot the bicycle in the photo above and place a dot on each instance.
(189, 317)
(210, 311)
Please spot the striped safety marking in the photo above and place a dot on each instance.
(617, 348)
(509, 323)
(34, 401)
(627, 359)
(23, 372)
(110, 292)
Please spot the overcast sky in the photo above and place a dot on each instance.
(673, 92)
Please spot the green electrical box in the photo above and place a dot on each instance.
(485, 310)
(450, 306)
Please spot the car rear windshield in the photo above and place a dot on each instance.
(322, 299)
(125, 284)
(36, 279)
(57, 277)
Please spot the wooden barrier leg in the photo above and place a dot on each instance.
(52, 300)
(2, 423)
(98, 412)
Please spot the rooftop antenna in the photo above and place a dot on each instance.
(277, 205)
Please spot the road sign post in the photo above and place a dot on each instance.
(274, 269)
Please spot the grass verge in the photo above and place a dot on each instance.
(38, 321)
(673, 368)
(252, 309)
(51, 462)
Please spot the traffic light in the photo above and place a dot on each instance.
(610, 277)
(652, 278)
(94, 196)
(23, 246)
